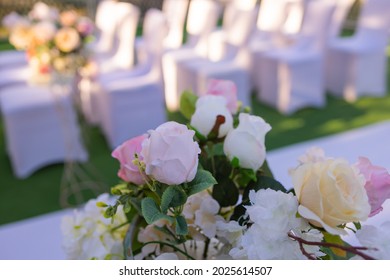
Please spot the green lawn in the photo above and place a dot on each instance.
(40, 193)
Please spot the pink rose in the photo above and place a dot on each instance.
(226, 89)
(377, 184)
(171, 154)
(125, 154)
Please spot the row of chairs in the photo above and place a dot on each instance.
(282, 48)
(289, 51)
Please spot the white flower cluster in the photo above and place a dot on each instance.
(88, 235)
(273, 214)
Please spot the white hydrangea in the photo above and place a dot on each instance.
(273, 214)
(201, 212)
(229, 232)
(88, 235)
(377, 238)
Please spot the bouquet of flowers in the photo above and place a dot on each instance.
(204, 191)
(54, 42)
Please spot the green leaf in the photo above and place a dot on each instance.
(120, 189)
(214, 150)
(357, 225)
(264, 182)
(110, 211)
(202, 181)
(225, 192)
(198, 135)
(101, 204)
(335, 253)
(136, 204)
(245, 176)
(187, 104)
(181, 226)
(151, 212)
(127, 206)
(235, 162)
(173, 196)
(265, 170)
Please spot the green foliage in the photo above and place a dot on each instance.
(202, 181)
(181, 225)
(225, 192)
(187, 104)
(262, 182)
(335, 253)
(173, 196)
(151, 211)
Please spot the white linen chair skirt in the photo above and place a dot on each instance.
(350, 79)
(291, 85)
(40, 128)
(131, 110)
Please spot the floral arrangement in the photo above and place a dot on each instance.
(204, 191)
(54, 41)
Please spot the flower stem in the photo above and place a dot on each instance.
(353, 250)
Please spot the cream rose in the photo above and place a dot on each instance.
(67, 39)
(246, 142)
(330, 193)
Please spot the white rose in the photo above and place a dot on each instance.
(246, 142)
(208, 107)
(171, 154)
(330, 193)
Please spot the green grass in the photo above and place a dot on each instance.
(40, 193)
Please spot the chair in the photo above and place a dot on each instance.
(126, 17)
(278, 21)
(202, 19)
(292, 78)
(357, 65)
(108, 64)
(196, 74)
(131, 104)
(219, 37)
(105, 21)
(175, 12)
(40, 128)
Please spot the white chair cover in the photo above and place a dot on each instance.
(202, 19)
(196, 75)
(127, 16)
(292, 78)
(130, 106)
(357, 65)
